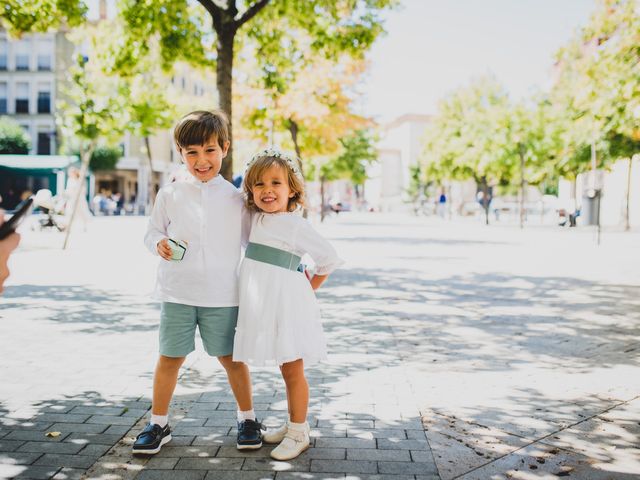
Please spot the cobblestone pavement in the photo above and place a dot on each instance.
(456, 351)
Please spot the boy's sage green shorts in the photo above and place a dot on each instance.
(217, 326)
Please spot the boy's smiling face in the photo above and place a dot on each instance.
(204, 161)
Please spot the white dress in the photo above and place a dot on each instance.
(279, 318)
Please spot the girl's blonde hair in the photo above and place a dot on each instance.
(256, 168)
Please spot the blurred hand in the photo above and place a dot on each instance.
(7, 246)
(163, 249)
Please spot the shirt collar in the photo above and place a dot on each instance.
(214, 181)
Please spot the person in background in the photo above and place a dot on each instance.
(7, 245)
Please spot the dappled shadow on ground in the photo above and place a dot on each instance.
(90, 310)
(555, 320)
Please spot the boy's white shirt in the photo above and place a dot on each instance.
(211, 218)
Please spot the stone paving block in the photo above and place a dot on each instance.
(134, 412)
(391, 444)
(190, 422)
(32, 472)
(215, 439)
(95, 450)
(92, 438)
(9, 445)
(61, 460)
(326, 453)
(19, 458)
(328, 432)
(420, 455)
(113, 429)
(70, 474)
(424, 468)
(34, 436)
(171, 475)
(343, 466)
(161, 463)
(112, 420)
(61, 418)
(407, 424)
(311, 476)
(51, 447)
(209, 464)
(232, 452)
(170, 450)
(29, 426)
(381, 477)
(181, 440)
(93, 410)
(416, 434)
(344, 443)
(78, 428)
(221, 421)
(241, 475)
(376, 433)
(203, 431)
(378, 455)
(300, 464)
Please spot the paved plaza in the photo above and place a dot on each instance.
(456, 351)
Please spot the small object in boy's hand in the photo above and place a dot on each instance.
(178, 249)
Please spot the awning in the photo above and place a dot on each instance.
(38, 162)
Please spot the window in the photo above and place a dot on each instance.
(3, 97)
(22, 54)
(22, 97)
(45, 54)
(44, 141)
(44, 98)
(4, 49)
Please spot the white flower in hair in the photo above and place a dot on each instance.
(291, 160)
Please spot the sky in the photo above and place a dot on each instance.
(433, 47)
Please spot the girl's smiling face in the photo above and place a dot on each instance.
(271, 192)
(204, 161)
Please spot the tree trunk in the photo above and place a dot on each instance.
(522, 187)
(85, 156)
(323, 179)
(151, 196)
(485, 200)
(293, 130)
(627, 202)
(224, 82)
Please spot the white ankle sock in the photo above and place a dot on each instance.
(298, 427)
(246, 415)
(161, 420)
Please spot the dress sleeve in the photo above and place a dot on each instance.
(158, 223)
(309, 241)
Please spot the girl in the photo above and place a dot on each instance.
(279, 320)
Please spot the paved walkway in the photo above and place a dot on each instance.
(457, 351)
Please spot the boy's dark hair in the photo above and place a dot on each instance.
(198, 127)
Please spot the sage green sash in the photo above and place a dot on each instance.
(273, 256)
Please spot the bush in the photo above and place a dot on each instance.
(105, 158)
(13, 138)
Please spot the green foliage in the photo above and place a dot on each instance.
(20, 16)
(358, 152)
(13, 138)
(105, 158)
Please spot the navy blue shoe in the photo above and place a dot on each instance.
(249, 435)
(151, 439)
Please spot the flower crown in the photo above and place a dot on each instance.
(274, 152)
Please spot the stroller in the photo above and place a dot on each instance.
(51, 208)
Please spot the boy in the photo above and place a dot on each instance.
(197, 227)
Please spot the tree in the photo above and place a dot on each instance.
(178, 26)
(600, 85)
(13, 138)
(89, 112)
(104, 157)
(264, 26)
